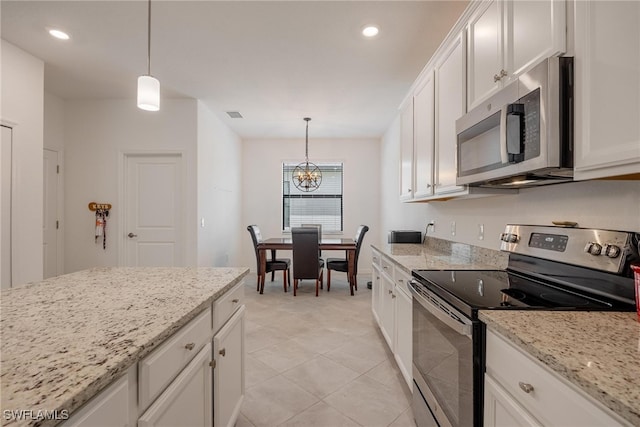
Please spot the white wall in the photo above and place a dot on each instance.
(599, 204)
(262, 187)
(97, 133)
(22, 84)
(220, 171)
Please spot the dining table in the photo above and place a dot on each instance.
(326, 243)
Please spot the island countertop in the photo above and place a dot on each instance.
(64, 339)
(596, 351)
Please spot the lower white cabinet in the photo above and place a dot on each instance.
(187, 400)
(392, 307)
(521, 391)
(228, 373)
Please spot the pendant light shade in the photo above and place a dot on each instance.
(148, 93)
(306, 176)
(148, 86)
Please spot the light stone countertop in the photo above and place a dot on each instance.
(599, 352)
(437, 254)
(65, 339)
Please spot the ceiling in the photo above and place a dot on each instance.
(275, 62)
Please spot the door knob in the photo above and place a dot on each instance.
(131, 235)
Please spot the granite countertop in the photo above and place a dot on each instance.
(599, 352)
(66, 338)
(438, 254)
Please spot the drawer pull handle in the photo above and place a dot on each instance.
(235, 300)
(223, 352)
(190, 346)
(527, 388)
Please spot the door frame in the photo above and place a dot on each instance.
(120, 210)
(12, 189)
(59, 211)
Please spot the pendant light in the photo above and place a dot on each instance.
(148, 86)
(307, 176)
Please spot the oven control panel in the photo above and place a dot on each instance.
(604, 250)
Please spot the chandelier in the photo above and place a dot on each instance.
(307, 176)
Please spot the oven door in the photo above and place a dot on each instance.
(443, 362)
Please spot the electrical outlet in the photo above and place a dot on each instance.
(432, 225)
(202, 222)
(453, 228)
(480, 231)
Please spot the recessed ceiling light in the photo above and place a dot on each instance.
(59, 34)
(370, 31)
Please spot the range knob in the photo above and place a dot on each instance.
(512, 238)
(612, 251)
(593, 248)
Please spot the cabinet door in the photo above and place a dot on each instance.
(501, 410)
(450, 95)
(403, 333)
(607, 98)
(387, 310)
(423, 135)
(485, 52)
(187, 400)
(534, 30)
(406, 151)
(375, 293)
(107, 409)
(228, 374)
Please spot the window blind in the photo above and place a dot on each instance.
(322, 206)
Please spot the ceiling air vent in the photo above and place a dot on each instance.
(234, 114)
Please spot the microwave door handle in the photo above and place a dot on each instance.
(504, 156)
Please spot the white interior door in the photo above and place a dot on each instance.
(5, 207)
(154, 228)
(50, 216)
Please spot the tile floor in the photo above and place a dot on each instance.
(319, 361)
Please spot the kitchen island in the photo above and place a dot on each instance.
(65, 339)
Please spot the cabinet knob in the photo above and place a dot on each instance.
(235, 300)
(131, 235)
(390, 292)
(496, 78)
(527, 388)
(503, 73)
(393, 295)
(190, 346)
(223, 352)
(213, 363)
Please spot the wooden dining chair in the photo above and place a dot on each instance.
(307, 263)
(342, 264)
(272, 265)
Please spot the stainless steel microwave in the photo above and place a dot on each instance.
(523, 135)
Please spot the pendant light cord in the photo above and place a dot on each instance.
(306, 149)
(149, 38)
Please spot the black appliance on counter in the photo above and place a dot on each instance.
(550, 268)
(405, 236)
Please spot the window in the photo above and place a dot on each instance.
(322, 206)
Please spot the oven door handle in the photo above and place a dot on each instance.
(461, 325)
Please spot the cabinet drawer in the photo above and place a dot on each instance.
(375, 257)
(224, 307)
(160, 367)
(387, 266)
(551, 400)
(402, 280)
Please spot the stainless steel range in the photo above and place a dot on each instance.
(550, 268)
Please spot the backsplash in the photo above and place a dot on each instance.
(475, 254)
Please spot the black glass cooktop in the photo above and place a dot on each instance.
(473, 290)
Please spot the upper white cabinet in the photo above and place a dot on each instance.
(423, 137)
(607, 98)
(506, 38)
(450, 105)
(406, 151)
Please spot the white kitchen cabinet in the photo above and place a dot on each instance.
(187, 400)
(450, 105)
(423, 137)
(520, 390)
(403, 326)
(228, 372)
(406, 151)
(387, 309)
(607, 81)
(393, 310)
(507, 38)
(112, 407)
